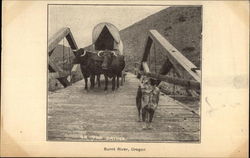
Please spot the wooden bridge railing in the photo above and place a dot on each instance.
(174, 60)
(182, 82)
(55, 71)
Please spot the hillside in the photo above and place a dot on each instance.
(181, 26)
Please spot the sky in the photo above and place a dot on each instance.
(82, 19)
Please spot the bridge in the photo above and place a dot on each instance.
(74, 114)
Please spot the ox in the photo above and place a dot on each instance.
(90, 65)
(112, 66)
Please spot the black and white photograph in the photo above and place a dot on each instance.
(125, 78)
(124, 73)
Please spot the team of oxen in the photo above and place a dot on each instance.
(107, 62)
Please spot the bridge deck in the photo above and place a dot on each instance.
(75, 115)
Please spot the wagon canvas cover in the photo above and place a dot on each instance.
(106, 36)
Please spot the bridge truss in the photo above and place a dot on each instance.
(175, 60)
(64, 77)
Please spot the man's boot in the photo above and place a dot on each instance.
(150, 126)
(144, 125)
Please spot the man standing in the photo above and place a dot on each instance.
(147, 99)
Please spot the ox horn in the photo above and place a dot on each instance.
(99, 53)
(114, 53)
(84, 53)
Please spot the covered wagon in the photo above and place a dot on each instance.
(104, 56)
(105, 36)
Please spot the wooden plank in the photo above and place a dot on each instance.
(55, 39)
(87, 119)
(54, 68)
(52, 43)
(174, 55)
(53, 75)
(71, 41)
(64, 82)
(147, 49)
(74, 68)
(56, 75)
(145, 67)
(182, 82)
